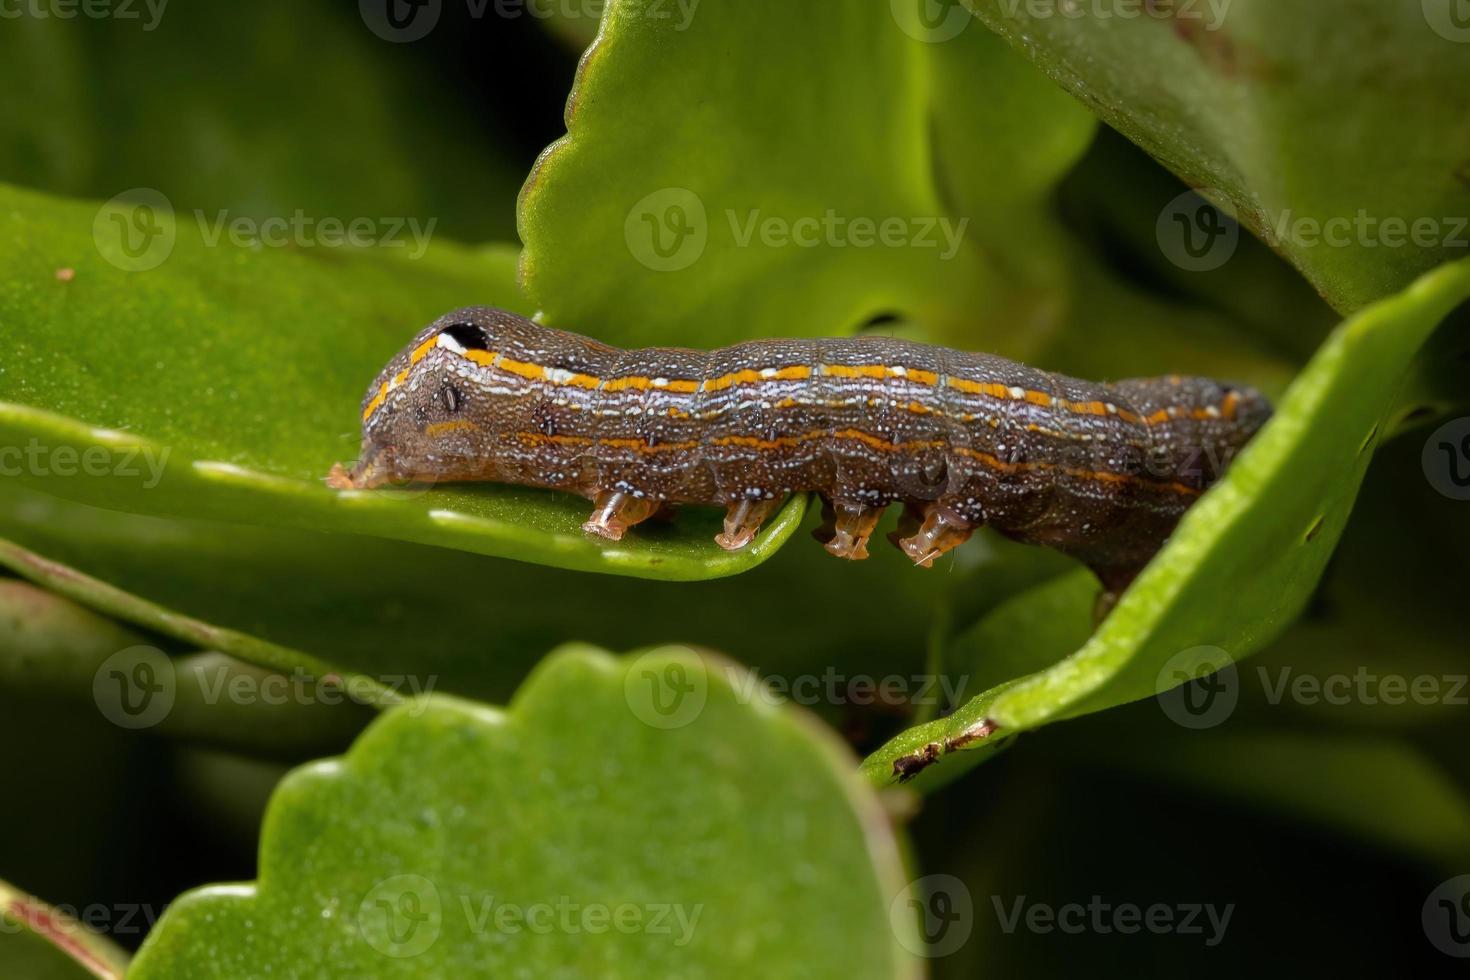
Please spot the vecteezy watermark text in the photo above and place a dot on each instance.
(833, 230)
(668, 230)
(38, 459)
(1210, 14)
(137, 230)
(405, 915)
(301, 230)
(1199, 231)
(1105, 918)
(833, 688)
(1200, 687)
(137, 687)
(125, 919)
(1367, 230)
(89, 9)
(405, 21)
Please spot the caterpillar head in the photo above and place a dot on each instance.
(429, 415)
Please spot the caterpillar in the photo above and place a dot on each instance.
(1101, 472)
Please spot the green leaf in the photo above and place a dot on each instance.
(242, 109)
(1245, 98)
(759, 216)
(51, 647)
(38, 942)
(255, 362)
(1246, 558)
(456, 840)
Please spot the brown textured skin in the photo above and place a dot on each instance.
(1105, 483)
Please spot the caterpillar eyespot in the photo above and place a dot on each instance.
(1101, 472)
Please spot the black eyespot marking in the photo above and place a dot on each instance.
(468, 335)
(451, 398)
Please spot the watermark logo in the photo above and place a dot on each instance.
(1197, 235)
(665, 693)
(1446, 917)
(401, 916)
(1446, 459)
(931, 21)
(933, 916)
(1198, 688)
(135, 231)
(135, 688)
(400, 21)
(1450, 19)
(668, 230)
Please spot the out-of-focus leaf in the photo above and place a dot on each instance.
(260, 110)
(1246, 98)
(456, 840)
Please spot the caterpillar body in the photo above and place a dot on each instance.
(1101, 472)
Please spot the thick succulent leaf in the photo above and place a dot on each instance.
(457, 840)
(694, 202)
(39, 942)
(1245, 98)
(1246, 558)
(225, 382)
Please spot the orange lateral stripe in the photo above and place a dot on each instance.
(799, 372)
(795, 372)
(422, 350)
(782, 442)
(855, 370)
(440, 428)
(524, 369)
(376, 403)
(382, 394)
